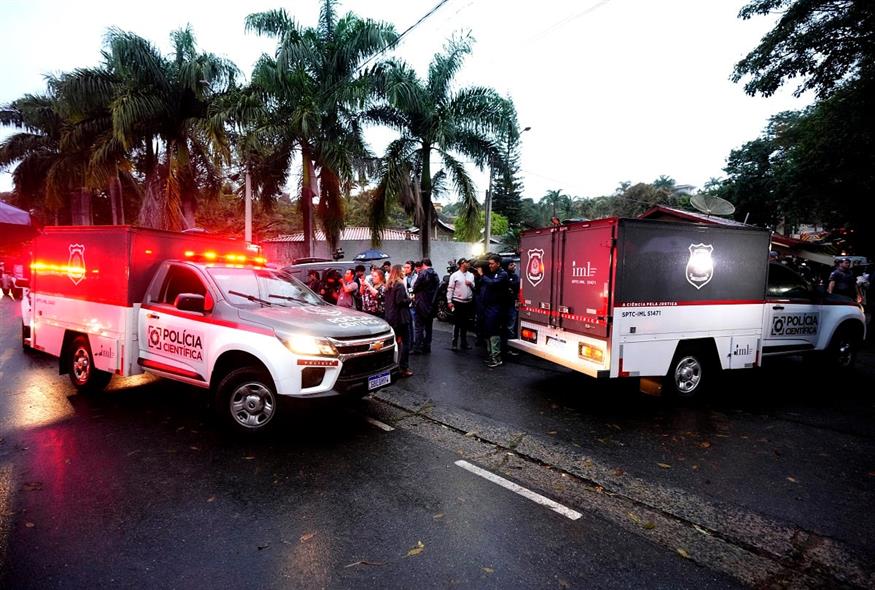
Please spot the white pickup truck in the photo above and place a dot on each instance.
(116, 300)
(678, 302)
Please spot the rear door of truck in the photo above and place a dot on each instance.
(539, 256)
(584, 278)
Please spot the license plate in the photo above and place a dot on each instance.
(379, 380)
(553, 342)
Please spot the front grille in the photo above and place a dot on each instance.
(366, 337)
(367, 364)
(360, 347)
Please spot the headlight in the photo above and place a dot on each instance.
(308, 345)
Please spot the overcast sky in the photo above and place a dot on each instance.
(613, 90)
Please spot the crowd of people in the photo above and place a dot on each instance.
(481, 295)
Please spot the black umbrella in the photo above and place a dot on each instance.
(372, 254)
(16, 226)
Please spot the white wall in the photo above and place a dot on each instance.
(399, 250)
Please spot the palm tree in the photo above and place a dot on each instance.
(50, 163)
(433, 119)
(555, 204)
(162, 122)
(313, 91)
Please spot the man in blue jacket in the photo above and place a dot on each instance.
(424, 290)
(494, 283)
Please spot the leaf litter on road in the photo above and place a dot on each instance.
(414, 551)
(363, 562)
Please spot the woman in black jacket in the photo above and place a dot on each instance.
(397, 305)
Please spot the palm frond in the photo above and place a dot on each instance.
(446, 65)
(272, 23)
(135, 59)
(464, 186)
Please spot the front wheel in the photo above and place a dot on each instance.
(80, 366)
(842, 350)
(247, 401)
(689, 373)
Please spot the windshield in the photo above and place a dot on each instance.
(250, 287)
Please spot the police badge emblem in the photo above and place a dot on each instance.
(76, 263)
(535, 266)
(700, 266)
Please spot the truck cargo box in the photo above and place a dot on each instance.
(113, 264)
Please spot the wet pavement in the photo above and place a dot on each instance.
(766, 483)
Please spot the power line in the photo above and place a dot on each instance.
(401, 36)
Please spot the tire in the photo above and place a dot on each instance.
(443, 311)
(842, 350)
(690, 372)
(25, 334)
(246, 401)
(80, 367)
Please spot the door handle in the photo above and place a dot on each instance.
(152, 316)
(777, 307)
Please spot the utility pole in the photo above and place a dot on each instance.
(247, 219)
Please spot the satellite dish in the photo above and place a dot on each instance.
(711, 205)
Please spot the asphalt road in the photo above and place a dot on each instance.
(767, 483)
(139, 488)
(791, 441)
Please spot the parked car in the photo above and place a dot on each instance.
(329, 274)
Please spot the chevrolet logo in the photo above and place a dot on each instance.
(375, 346)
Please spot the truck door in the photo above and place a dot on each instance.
(538, 260)
(792, 316)
(584, 284)
(172, 340)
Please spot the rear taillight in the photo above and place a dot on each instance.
(591, 353)
(529, 335)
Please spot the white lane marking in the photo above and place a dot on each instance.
(379, 424)
(533, 496)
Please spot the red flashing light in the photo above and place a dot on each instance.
(149, 252)
(529, 335)
(230, 258)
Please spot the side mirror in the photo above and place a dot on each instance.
(189, 302)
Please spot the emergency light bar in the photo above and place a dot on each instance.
(213, 256)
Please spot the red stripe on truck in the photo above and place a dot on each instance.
(685, 303)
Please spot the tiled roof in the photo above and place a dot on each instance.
(349, 233)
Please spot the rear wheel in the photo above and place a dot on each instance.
(247, 401)
(80, 367)
(689, 373)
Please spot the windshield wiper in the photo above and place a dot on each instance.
(249, 297)
(290, 298)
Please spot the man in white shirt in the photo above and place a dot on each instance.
(460, 300)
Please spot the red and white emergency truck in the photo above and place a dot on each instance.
(116, 300)
(641, 298)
